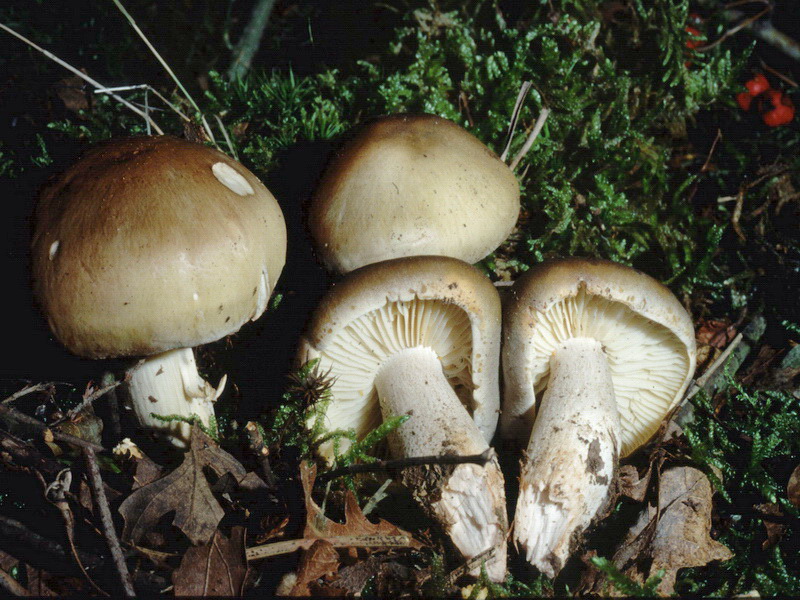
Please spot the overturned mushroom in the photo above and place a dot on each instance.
(420, 336)
(410, 185)
(150, 246)
(609, 351)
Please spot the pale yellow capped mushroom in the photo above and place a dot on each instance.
(410, 185)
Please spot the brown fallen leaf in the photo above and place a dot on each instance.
(716, 333)
(86, 426)
(775, 530)
(385, 573)
(218, 568)
(631, 485)
(682, 532)
(72, 91)
(356, 524)
(318, 561)
(185, 491)
(793, 488)
(673, 536)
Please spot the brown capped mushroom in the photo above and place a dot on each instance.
(410, 185)
(610, 351)
(150, 246)
(420, 336)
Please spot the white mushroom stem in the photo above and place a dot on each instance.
(470, 502)
(572, 455)
(168, 384)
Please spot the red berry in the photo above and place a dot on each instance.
(744, 99)
(757, 85)
(694, 43)
(782, 111)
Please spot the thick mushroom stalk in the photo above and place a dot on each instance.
(168, 384)
(572, 455)
(469, 501)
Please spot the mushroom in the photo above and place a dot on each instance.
(147, 247)
(610, 351)
(411, 185)
(421, 336)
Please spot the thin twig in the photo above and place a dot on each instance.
(768, 33)
(737, 214)
(512, 125)
(164, 64)
(227, 137)
(144, 86)
(86, 402)
(11, 585)
(778, 74)
(340, 541)
(39, 387)
(83, 76)
(717, 138)
(12, 413)
(376, 498)
(735, 29)
(250, 40)
(49, 551)
(473, 562)
(404, 463)
(702, 381)
(256, 442)
(531, 138)
(55, 493)
(96, 482)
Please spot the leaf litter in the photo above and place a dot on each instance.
(186, 491)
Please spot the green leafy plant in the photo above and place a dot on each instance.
(300, 422)
(749, 439)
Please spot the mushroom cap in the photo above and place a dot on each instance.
(646, 334)
(411, 185)
(153, 243)
(380, 309)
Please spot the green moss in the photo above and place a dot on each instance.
(750, 440)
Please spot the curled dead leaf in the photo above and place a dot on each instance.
(672, 536)
(682, 533)
(775, 530)
(319, 561)
(631, 485)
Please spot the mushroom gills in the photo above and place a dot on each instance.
(647, 361)
(168, 384)
(469, 500)
(571, 457)
(356, 353)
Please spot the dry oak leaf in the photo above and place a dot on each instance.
(682, 533)
(631, 485)
(218, 568)
(356, 524)
(185, 491)
(717, 334)
(318, 561)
